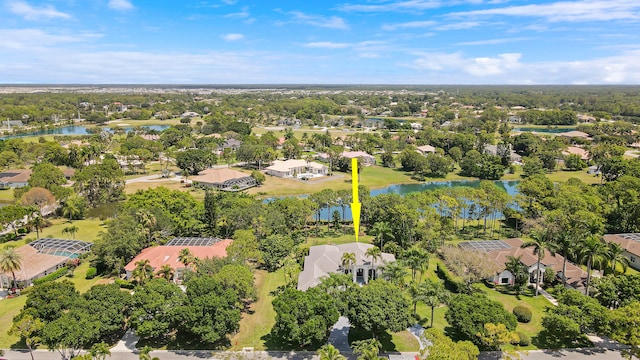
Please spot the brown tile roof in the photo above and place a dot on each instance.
(34, 263)
(574, 274)
(218, 176)
(162, 255)
(16, 176)
(574, 150)
(632, 246)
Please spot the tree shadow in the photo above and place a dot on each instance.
(357, 334)
(547, 340)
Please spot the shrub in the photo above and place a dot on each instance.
(522, 313)
(125, 284)
(450, 283)
(53, 276)
(91, 273)
(23, 231)
(524, 339)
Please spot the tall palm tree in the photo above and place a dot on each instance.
(38, 223)
(329, 352)
(435, 293)
(186, 257)
(71, 230)
(565, 243)
(375, 253)
(519, 271)
(148, 222)
(143, 271)
(394, 273)
(416, 259)
(382, 231)
(10, 262)
(540, 243)
(165, 272)
(348, 260)
(70, 209)
(367, 349)
(593, 250)
(616, 254)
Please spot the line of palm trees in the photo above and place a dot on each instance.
(144, 272)
(589, 249)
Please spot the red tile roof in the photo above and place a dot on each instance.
(163, 255)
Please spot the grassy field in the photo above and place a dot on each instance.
(87, 231)
(558, 176)
(258, 323)
(6, 195)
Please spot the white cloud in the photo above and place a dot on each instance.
(120, 5)
(402, 6)
(461, 25)
(243, 14)
(492, 41)
(510, 68)
(572, 11)
(332, 22)
(34, 39)
(22, 8)
(232, 37)
(327, 45)
(408, 25)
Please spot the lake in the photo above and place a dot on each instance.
(79, 130)
(509, 186)
(547, 130)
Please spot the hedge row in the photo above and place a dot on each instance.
(53, 276)
(450, 283)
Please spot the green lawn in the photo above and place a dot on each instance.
(8, 309)
(391, 342)
(258, 323)
(558, 176)
(88, 229)
(6, 195)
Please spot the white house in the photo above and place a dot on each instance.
(297, 168)
(631, 245)
(327, 259)
(425, 149)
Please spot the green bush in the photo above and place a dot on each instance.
(524, 339)
(522, 313)
(53, 276)
(91, 273)
(125, 284)
(450, 283)
(23, 231)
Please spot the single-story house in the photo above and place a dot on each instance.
(224, 179)
(425, 149)
(15, 178)
(495, 150)
(12, 123)
(631, 245)
(158, 256)
(574, 150)
(42, 257)
(361, 155)
(594, 170)
(297, 168)
(327, 259)
(500, 250)
(575, 134)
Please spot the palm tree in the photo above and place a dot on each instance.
(519, 271)
(593, 250)
(148, 222)
(37, 223)
(143, 271)
(165, 272)
(381, 231)
(186, 257)
(100, 351)
(566, 246)
(395, 273)
(540, 243)
(71, 230)
(616, 255)
(10, 262)
(375, 253)
(329, 352)
(416, 259)
(70, 209)
(145, 354)
(348, 260)
(436, 294)
(367, 349)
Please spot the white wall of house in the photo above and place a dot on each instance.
(634, 260)
(504, 278)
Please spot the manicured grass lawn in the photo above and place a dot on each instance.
(79, 280)
(558, 176)
(391, 342)
(88, 229)
(6, 195)
(335, 238)
(255, 325)
(8, 309)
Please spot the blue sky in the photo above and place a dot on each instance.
(320, 41)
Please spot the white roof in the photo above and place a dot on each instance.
(279, 165)
(426, 148)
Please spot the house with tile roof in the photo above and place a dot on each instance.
(366, 159)
(169, 254)
(499, 251)
(630, 242)
(15, 178)
(224, 179)
(297, 168)
(425, 149)
(327, 259)
(574, 150)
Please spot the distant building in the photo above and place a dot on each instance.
(12, 123)
(15, 178)
(224, 179)
(297, 168)
(425, 149)
(361, 155)
(574, 150)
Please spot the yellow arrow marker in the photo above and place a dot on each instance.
(355, 205)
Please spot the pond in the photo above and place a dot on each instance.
(509, 186)
(79, 130)
(547, 130)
